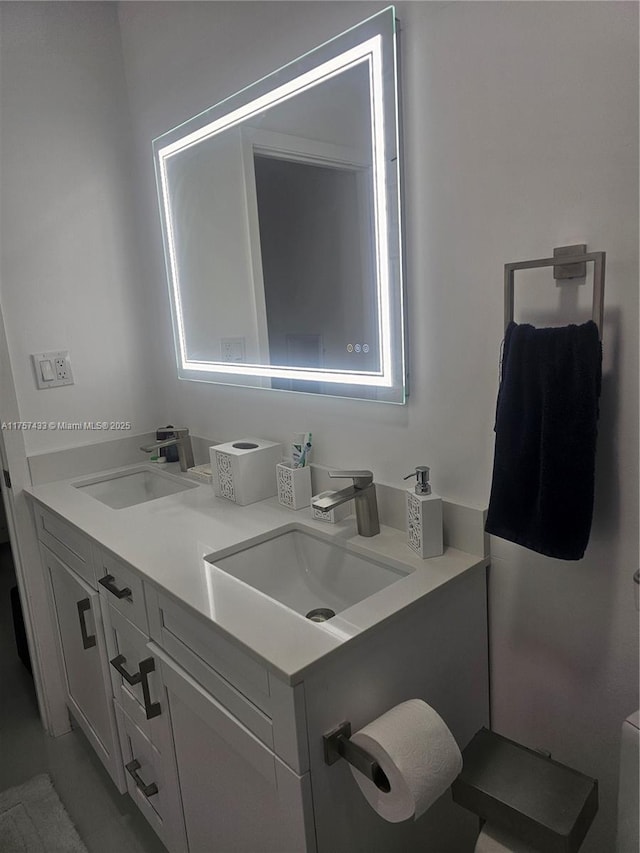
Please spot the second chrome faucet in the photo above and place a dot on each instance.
(363, 492)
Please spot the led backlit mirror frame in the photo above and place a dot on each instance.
(372, 42)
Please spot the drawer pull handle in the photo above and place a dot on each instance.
(117, 664)
(108, 583)
(132, 769)
(152, 709)
(88, 640)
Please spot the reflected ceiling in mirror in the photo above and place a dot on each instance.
(280, 214)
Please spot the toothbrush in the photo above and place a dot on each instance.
(306, 450)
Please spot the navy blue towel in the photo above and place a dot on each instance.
(546, 428)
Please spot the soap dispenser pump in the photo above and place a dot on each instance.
(424, 516)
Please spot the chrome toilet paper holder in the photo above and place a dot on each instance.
(337, 745)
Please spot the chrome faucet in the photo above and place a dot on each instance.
(363, 491)
(182, 441)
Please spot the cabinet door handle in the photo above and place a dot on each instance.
(151, 709)
(108, 583)
(132, 769)
(117, 662)
(88, 640)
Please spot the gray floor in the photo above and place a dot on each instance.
(107, 821)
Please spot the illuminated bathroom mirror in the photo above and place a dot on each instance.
(281, 221)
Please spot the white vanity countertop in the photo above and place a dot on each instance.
(166, 539)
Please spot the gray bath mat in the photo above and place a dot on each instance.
(33, 820)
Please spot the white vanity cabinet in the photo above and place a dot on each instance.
(81, 644)
(221, 746)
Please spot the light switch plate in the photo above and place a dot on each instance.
(60, 368)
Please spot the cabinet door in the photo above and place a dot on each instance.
(237, 796)
(82, 650)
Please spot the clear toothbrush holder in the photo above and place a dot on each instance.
(294, 485)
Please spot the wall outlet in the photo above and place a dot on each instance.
(61, 367)
(52, 369)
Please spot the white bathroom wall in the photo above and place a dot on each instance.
(521, 134)
(532, 113)
(68, 274)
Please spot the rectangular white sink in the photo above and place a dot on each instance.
(306, 572)
(128, 488)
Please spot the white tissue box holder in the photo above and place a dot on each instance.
(331, 516)
(243, 471)
(294, 485)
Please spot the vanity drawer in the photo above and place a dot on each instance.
(66, 542)
(122, 588)
(135, 678)
(152, 783)
(237, 681)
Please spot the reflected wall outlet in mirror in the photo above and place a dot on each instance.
(281, 220)
(232, 349)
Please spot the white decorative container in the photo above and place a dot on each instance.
(424, 517)
(424, 524)
(244, 471)
(331, 516)
(294, 485)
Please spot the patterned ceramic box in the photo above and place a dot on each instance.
(244, 471)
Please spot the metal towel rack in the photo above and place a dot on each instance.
(567, 262)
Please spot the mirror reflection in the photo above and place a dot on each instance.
(276, 216)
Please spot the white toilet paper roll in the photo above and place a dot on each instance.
(419, 755)
(495, 840)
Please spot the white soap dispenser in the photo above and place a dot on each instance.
(424, 516)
